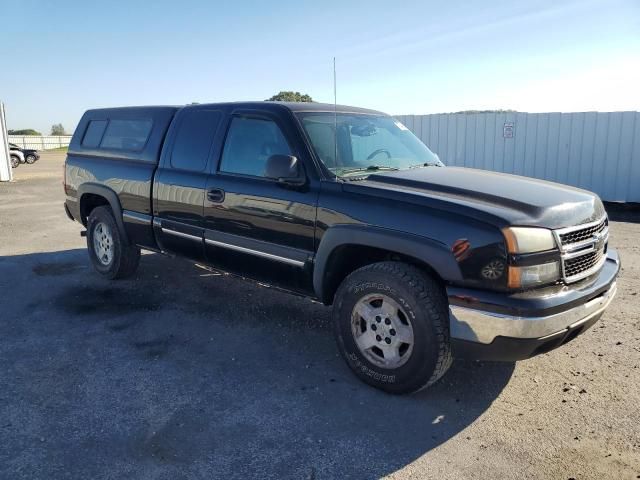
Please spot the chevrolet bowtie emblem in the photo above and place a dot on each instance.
(598, 240)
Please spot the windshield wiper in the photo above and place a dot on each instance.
(370, 168)
(426, 164)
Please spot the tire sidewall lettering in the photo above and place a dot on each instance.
(361, 288)
(357, 364)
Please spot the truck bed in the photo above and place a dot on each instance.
(125, 166)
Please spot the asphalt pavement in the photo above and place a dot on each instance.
(185, 372)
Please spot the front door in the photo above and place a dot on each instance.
(255, 226)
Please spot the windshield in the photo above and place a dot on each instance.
(366, 143)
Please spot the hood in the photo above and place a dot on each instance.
(513, 199)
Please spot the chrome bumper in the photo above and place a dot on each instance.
(483, 327)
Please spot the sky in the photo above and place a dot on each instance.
(402, 57)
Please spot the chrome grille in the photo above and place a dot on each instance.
(575, 266)
(583, 233)
(582, 249)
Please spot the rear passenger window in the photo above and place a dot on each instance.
(126, 134)
(194, 139)
(94, 132)
(250, 142)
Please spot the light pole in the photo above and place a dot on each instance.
(6, 174)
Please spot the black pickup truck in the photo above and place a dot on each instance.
(421, 262)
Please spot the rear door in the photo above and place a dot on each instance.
(255, 226)
(181, 179)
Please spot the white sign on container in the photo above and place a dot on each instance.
(507, 130)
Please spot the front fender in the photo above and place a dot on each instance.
(431, 252)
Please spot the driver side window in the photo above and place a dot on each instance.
(250, 142)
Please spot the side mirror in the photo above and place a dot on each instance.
(286, 169)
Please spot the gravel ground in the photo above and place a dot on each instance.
(183, 372)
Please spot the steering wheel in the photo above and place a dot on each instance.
(378, 152)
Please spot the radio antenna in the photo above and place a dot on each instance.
(335, 113)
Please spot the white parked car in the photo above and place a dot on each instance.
(17, 157)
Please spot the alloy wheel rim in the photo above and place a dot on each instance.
(382, 331)
(103, 243)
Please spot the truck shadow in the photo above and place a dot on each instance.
(201, 374)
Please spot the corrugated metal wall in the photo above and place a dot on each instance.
(596, 151)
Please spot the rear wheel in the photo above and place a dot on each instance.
(110, 255)
(30, 159)
(15, 161)
(392, 326)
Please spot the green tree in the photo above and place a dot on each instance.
(26, 131)
(58, 129)
(289, 96)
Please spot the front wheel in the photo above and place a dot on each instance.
(30, 159)
(15, 161)
(109, 252)
(392, 326)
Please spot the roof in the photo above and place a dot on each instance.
(292, 106)
(296, 106)
(323, 107)
(151, 109)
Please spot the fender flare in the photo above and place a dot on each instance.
(433, 253)
(111, 197)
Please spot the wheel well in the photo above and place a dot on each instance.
(345, 259)
(88, 202)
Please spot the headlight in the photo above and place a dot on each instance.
(531, 240)
(528, 240)
(533, 275)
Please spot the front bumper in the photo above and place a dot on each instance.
(494, 326)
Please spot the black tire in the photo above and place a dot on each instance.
(30, 159)
(15, 161)
(424, 304)
(124, 258)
